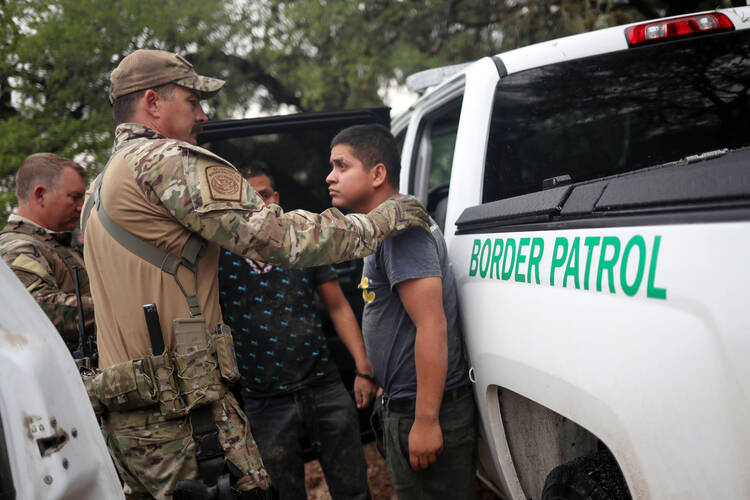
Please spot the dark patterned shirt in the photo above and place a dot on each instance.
(278, 336)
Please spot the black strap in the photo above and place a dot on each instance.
(366, 376)
(209, 452)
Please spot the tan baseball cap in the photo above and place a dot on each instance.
(146, 69)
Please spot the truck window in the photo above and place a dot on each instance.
(618, 112)
(434, 158)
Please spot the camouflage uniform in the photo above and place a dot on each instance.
(204, 194)
(153, 454)
(43, 261)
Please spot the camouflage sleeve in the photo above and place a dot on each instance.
(33, 270)
(213, 200)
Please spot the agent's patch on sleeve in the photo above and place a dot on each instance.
(27, 264)
(224, 183)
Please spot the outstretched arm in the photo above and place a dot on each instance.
(231, 214)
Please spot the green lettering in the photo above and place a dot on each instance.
(497, 250)
(474, 262)
(651, 290)
(510, 245)
(534, 258)
(608, 264)
(632, 289)
(521, 259)
(590, 242)
(484, 264)
(560, 243)
(572, 268)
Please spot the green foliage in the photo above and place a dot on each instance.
(307, 55)
(57, 57)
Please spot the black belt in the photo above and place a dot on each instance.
(408, 405)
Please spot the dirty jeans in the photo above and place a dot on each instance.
(453, 474)
(326, 415)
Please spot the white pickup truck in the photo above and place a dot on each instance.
(595, 195)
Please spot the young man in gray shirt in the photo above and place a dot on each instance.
(411, 331)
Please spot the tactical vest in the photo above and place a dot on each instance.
(52, 250)
(55, 248)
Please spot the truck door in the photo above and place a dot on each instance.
(430, 161)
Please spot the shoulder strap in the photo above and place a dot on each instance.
(168, 263)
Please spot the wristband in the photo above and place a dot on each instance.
(366, 376)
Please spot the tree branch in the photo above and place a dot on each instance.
(644, 8)
(258, 74)
(449, 13)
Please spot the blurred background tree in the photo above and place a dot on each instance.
(277, 56)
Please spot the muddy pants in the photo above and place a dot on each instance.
(327, 417)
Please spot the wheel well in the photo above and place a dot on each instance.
(540, 439)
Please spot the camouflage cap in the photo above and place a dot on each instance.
(146, 69)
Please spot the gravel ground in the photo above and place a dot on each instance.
(377, 476)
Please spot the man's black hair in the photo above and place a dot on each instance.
(257, 167)
(373, 144)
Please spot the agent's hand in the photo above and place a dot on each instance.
(364, 391)
(398, 214)
(425, 443)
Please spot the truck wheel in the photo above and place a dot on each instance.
(594, 477)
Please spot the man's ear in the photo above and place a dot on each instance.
(38, 194)
(378, 175)
(151, 101)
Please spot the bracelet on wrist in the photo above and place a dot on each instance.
(366, 376)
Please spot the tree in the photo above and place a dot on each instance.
(304, 55)
(56, 60)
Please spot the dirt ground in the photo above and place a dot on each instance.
(377, 476)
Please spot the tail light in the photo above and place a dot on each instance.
(677, 27)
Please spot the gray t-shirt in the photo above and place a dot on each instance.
(388, 331)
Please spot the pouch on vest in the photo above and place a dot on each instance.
(189, 335)
(197, 370)
(223, 345)
(198, 378)
(126, 386)
(171, 404)
(88, 376)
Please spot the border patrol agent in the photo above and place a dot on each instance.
(36, 243)
(153, 223)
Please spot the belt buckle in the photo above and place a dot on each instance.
(385, 401)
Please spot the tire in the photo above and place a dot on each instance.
(594, 477)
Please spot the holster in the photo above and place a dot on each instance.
(193, 489)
